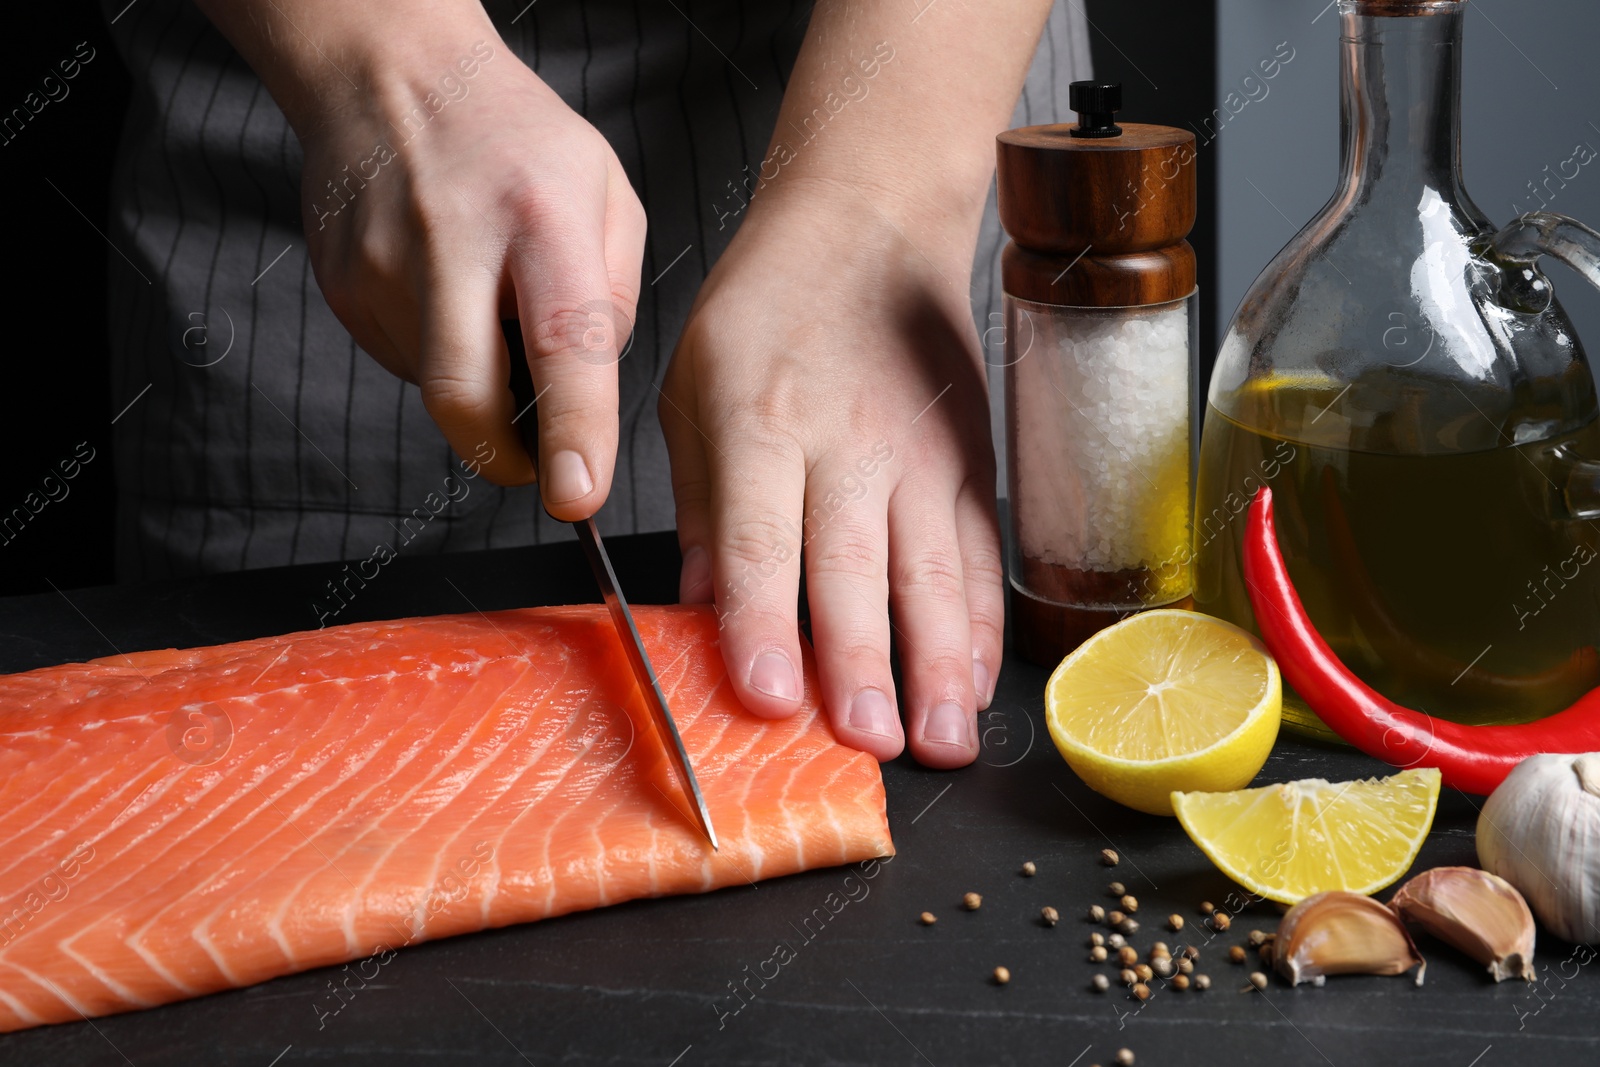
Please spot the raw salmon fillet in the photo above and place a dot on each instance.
(181, 822)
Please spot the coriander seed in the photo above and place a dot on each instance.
(1128, 977)
(1180, 982)
(1115, 940)
(1141, 991)
(1114, 917)
(1236, 954)
(1160, 949)
(1220, 921)
(1202, 981)
(972, 902)
(1127, 955)
(1097, 954)
(1001, 975)
(1029, 870)
(927, 918)
(1097, 914)
(1129, 926)
(1185, 965)
(1100, 983)
(1050, 915)
(1144, 972)
(1096, 938)
(1117, 889)
(1191, 952)
(1175, 922)
(1256, 939)
(1109, 857)
(1162, 967)
(1130, 904)
(1258, 980)
(1124, 1057)
(1206, 907)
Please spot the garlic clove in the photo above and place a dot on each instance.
(1342, 933)
(1477, 912)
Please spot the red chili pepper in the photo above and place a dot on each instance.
(1474, 759)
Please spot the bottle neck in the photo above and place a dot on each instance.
(1400, 101)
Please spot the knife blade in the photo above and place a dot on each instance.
(594, 550)
(643, 672)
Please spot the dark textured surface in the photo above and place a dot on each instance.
(649, 982)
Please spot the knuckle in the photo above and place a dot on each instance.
(375, 255)
(571, 327)
(452, 400)
(934, 574)
(850, 550)
(692, 495)
(586, 424)
(771, 419)
(988, 631)
(536, 203)
(983, 567)
(862, 640)
(758, 541)
(624, 306)
(947, 673)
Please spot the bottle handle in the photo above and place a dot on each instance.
(1514, 251)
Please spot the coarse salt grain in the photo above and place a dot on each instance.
(1100, 474)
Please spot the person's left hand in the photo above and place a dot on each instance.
(829, 392)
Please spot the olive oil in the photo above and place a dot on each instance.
(1457, 583)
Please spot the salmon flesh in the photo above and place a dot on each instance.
(180, 822)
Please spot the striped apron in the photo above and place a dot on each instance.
(258, 434)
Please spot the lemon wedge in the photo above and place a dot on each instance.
(1165, 700)
(1286, 842)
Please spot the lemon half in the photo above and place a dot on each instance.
(1165, 700)
(1286, 842)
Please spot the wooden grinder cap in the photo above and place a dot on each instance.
(1122, 201)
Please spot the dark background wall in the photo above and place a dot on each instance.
(54, 386)
(55, 174)
(1164, 54)
(1530, 93)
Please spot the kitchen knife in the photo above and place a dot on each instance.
(594, 549)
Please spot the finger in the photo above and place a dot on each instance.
(755, 566)
(570, 331)
(978, 530)
(930, 612)
(463, 372)
(847, 582)
(691, 489)
(625, 235)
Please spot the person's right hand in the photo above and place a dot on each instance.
(496, 201)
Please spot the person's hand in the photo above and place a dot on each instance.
(829, 390)
(464, 191)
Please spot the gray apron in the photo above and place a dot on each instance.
(256, 433)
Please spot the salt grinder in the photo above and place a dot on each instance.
(1102, 402)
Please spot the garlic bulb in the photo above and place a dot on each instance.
(1540, 831)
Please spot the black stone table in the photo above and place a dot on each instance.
(679, 981)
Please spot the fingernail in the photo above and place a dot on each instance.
(774, 675)
(947, 725)
(980, 682)
(566, 478)
(695, 583)
(872, 712)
